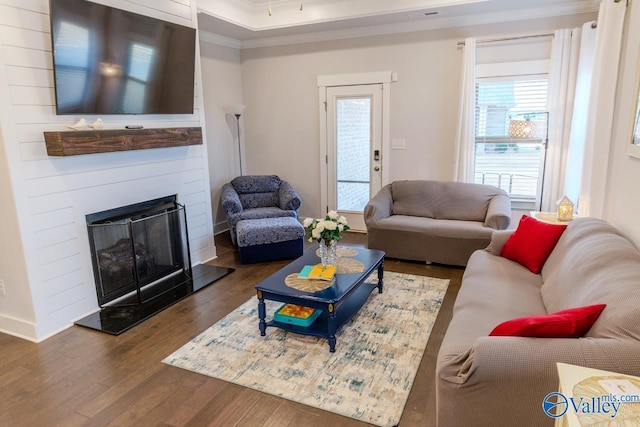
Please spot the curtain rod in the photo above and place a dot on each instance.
(594, 25)
(510, 38)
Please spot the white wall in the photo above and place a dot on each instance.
(17, 302)
(222, 86)
(623, 198)
(53, 195)
(279, 88)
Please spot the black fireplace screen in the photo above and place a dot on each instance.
(135, 248)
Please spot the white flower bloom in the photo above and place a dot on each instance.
(340, 227)
(319, 227)
(307, 222)
(330, 225)
(315, 233)
(342, 220)
(332, 214)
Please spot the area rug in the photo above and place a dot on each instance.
(369, 376)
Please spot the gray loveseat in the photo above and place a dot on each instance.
(435, 221)
(497, 381)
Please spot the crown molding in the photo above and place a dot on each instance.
(435, 23)
(208, 37)
(264, 4)
(254, 17)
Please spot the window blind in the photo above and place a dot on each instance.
(511, 163)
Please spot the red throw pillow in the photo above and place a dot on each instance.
(570, 323)
(532, 242)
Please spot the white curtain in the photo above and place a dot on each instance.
(601, 107)
(576, 146)
(565, 50)
(465, 139)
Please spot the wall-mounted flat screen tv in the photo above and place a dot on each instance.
(110, 61)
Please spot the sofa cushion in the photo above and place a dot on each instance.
(427, 239)
(442, 200)
(569, 323)
(532, 242)
(436, 227)
(257, 191)
(591, 264)
(258, 200)
(258, 213)
(494, 289)
(248, 184)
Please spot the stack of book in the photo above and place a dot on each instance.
(318, 272)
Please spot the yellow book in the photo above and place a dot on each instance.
(318, 272)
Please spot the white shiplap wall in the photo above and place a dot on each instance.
(52, 195)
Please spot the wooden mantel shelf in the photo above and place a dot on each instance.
(74, 143)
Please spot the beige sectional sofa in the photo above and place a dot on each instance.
(435, 221)
(501, 381)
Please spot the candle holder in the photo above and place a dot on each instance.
(565, 209)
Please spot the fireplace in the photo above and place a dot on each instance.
(141, 263)
(139, 252)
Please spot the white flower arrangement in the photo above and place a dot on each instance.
(329, 228)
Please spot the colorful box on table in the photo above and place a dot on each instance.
(296, 315)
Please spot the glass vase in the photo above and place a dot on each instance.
(328, 251)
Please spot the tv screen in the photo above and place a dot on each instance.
(109, 61)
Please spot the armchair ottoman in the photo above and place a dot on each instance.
(269, 239)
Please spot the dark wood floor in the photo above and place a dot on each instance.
(83, 377)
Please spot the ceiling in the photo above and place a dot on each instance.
(247, 23)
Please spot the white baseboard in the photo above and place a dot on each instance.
(50, 334)
(220, 227)
(18, 328)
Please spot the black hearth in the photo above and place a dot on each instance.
(141, 263)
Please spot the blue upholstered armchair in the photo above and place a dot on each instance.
(258, 196)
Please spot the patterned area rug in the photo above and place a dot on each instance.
(368, 378)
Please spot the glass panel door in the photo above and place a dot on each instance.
(353, 147)
(354, 140)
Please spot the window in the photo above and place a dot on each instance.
(140, 63)
(513, 164)
(72, 64)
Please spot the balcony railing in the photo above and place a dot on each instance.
(510, 164)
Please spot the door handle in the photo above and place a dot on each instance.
(376, 168)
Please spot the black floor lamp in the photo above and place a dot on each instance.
(237, 111)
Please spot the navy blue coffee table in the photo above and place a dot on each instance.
(338, 303)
